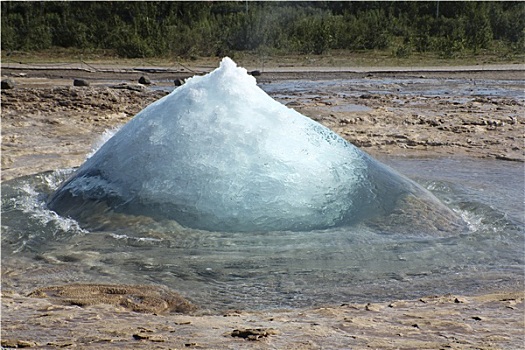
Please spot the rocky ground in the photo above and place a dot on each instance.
(468, 130)
(55, 127)
(493, 321)
(69, 119)
(48, 124)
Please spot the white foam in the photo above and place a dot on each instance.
(102, 139)
(474, 222)
(33, 203)
(125, 237)
(53, 180)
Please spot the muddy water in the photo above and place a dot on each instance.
(401, 86)
(280, 269)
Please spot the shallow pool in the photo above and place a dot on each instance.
(219, 270)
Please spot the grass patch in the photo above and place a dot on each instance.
(372, 58)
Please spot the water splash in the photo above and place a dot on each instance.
(102, 139)
(32, 198)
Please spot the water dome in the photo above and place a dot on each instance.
(219, 154)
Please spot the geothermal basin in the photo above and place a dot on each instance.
(355, 260)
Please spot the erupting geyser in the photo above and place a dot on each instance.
(220, 154)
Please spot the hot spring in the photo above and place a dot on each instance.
(235, 201)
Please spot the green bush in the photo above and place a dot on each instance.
(155, 28)
(405, 49)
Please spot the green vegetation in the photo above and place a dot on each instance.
(204, 29)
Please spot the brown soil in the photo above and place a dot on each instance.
(48, 124)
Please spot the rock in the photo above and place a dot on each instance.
(254, 333)
(293, 104)
(8, 84)
(374, 307)
(80, 82)
(144, 80)
(150, 337)
(138, 298)
(255, 73)
(9, 343)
